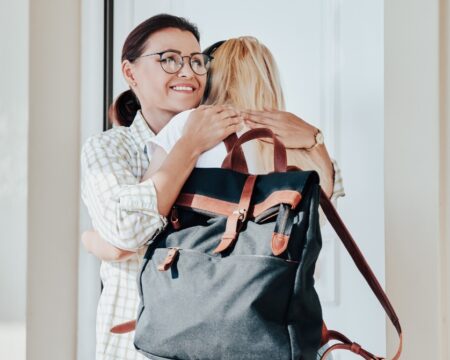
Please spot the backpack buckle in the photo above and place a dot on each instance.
(242, 214)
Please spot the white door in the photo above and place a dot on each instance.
(330, 55)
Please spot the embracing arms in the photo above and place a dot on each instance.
(127, 212)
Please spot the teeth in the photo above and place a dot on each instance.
(183, 88)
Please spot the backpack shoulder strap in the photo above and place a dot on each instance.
(364, 268)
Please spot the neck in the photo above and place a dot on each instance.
(157, 119)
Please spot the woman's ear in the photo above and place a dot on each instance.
(128, 73)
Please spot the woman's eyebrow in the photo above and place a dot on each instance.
(171, 50)
(179, 52)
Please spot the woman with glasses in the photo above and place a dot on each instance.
(128, 192)
(126, 211)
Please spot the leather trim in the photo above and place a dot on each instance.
(124, 328)
(325, 337)
(206, 203)
(290, 197)
(238, 217)
(226, 208)
(279, 243)
(169, 260)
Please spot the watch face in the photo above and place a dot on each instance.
(319, 138)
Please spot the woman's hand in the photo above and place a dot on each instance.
(296, 134)
(293, 131)
(209, 125)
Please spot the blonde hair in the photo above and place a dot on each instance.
(244, 74)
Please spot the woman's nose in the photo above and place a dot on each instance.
(186, 70)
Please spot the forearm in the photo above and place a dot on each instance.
(321, 162)
(101, 249)
(204, 128)
(173, 172)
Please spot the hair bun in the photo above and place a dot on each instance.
(123, 110)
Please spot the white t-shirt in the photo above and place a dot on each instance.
(214, 157)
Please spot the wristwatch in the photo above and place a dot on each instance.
(318, 138)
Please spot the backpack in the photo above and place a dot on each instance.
(232, 276)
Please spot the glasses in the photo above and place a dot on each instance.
(172, 61)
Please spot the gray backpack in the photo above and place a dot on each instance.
(232, 277)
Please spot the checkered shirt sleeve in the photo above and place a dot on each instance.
(122, 210)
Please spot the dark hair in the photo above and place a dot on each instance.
(210, 51)
(124, 108)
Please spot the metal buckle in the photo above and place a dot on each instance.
(241, 212)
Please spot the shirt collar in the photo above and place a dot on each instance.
(140, 131)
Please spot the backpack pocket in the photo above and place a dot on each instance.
(211, 307)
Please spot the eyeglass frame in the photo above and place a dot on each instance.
(161, 53)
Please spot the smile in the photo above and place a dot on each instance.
(183, 88)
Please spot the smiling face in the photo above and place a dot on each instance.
(164, 95)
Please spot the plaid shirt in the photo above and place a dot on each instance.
(124, 212)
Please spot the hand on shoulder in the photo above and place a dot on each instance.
(293, 131)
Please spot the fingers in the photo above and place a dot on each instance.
(231, 125)
(254, 125)
(230, 122)
(226, 107)
(217, 109)
(229, 113)
(231, 129)
(259, 117)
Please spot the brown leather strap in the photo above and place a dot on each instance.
(237, 218)
(237, 162)
(364, 268)
(346, 344)
(125, 327)
(229, 143)
(169, 260)
(354, 348)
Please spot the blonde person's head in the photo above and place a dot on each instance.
(244, 74)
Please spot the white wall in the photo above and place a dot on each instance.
(53, 179)
(417, 173)
(13, 157)
(13, 172)
(359, 129)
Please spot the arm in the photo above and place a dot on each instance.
(297, 135)
(205, 128)
(158, 157)
(128, 212)
(122, 210)
(101, 249)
